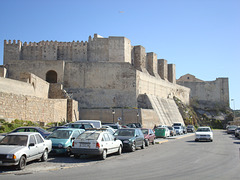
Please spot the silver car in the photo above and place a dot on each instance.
(22, 147)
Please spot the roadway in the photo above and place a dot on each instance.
(181, 159)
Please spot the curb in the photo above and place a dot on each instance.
(161, 142)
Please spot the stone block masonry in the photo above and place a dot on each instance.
(31, 108)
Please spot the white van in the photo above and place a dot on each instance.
(95, 123)
(178, 124)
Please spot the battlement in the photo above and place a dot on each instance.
(96, 49)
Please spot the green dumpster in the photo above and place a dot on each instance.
(160, 132)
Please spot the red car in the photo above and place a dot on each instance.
(149, 136)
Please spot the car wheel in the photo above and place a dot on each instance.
(146, 142)
(143, 145)
(153, 142)
(69, 151)
(22, 163)
(196, 140)
(44, 155)
(133, 147)
(103, 155)
(119, 152)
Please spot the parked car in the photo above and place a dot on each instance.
(131, 138)
(172, 131)
(42, 131)
(95, 123)
(109, 129)
(21, 147)
(62, 140)
(190, 128)
(178, 124)
(134, 125)
(184, 129)
(204, 134)
(149, 136)
(179, 130)
(97, 142)
(80, 125)
(51, 129)
(115, 126)
(237, 132)
(231, 129)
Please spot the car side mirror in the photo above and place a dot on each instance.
(73, 138)
(115, 139)
(136, 135)
(31, 144)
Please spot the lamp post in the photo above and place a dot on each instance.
(137, 116)
(233, 108)
(113, 112)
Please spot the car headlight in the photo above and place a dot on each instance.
(11, 156)
(60, 145)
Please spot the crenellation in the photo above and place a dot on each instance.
(96, 49)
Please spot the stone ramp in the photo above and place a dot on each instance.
(166, 110)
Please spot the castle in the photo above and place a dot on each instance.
(110, 80)
(206, 94)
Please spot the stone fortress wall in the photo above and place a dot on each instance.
(28, 99)
(103, 73)
(207, 94)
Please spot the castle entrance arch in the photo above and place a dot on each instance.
(51, 76)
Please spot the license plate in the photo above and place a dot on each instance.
(84, 145)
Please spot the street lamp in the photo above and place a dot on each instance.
(137, 116)
(113, 112)
(233, 108)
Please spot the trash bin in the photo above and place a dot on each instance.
(160, 132)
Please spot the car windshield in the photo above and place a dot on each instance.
(203, 130)
(125, 132)
(114, 126)
(176, 127)
(61, 134)
(190, 127)
(144, 131)
(18, 140)
(170, 128)
(89, 136)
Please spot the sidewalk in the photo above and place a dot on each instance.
(164, 140)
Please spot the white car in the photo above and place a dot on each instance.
(22, 147)
(204, 133)
(96, 142)
(179, 130)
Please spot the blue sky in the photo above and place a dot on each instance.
(202, 37)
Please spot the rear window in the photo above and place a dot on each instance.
(125, 132)
(203, 130)
(89, 136)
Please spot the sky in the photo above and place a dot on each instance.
(201, 37)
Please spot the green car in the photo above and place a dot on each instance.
(62, 140)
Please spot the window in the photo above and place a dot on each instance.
(32, 139)
(20, 130)
(39, 139)
(105, 137)
(76, 134)
(111, 137)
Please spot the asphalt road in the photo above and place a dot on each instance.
(180, 159)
